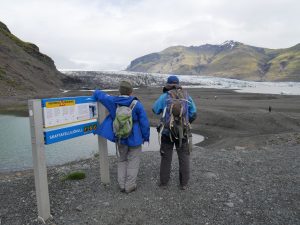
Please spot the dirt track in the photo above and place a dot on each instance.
(245, 172)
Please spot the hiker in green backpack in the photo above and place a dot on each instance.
(178, 112)
(128, 126)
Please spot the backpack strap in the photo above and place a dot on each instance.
(133, 103)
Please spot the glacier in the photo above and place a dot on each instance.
(111, 79)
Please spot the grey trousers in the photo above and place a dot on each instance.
(166, 151)
(128, 166)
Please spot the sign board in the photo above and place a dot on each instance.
(65, 133)
(58, 119)
(63, 111)
(65, 118)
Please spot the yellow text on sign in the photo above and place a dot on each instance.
(60, 103)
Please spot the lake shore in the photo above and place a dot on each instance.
(245, 172)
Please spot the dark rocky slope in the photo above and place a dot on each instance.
(24, 70)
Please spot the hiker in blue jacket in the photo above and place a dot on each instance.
(129, 148)
(169, 136)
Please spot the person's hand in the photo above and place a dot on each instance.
(144, 141)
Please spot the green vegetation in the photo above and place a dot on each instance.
(26, 46)
(78, 175)
(22, 44)
(3, 27)
(2, 73)
(286, 63)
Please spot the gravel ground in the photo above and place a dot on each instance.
(228, 186)
(246, 172)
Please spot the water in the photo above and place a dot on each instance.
(15, 145)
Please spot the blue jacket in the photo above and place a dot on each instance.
(160, 104)
(141, 128)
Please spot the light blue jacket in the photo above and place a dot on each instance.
(161, 102)
(141, 128)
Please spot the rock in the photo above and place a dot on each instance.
(238, 148)
(106, 203)
(79, 208)
(210, 175)
(232, 195)
(238, 162)
(229, 204)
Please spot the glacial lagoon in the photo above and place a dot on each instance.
(16, 154)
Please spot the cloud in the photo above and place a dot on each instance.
(108, 34)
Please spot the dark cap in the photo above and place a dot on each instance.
(173, 80)
(125, 88)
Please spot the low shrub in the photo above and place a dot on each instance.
(78, 175)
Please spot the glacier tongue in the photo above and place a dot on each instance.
(111, 79)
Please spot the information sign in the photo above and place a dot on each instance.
(63, 111)
(48, 119)
(62, 134)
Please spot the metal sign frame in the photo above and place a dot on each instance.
(39, 159)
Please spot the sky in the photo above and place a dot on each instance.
(109, 34)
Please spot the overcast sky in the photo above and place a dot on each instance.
(108, 34)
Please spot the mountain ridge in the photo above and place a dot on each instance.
(24, 70)
(231, 59)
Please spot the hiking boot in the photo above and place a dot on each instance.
(163, 186)
(130, 189)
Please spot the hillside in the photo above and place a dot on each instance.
(24, 69)
(231, 60)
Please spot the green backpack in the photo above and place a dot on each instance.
(122, 125)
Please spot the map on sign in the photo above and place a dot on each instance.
(63, 111)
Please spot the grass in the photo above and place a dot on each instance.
(28, 47)
(292, 60)
(22, 44)
(2, 73)
(77, 175)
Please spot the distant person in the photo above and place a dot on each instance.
(178, 111)
(128, 126)
(270, 109)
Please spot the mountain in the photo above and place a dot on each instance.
(231, 60)
(24, 69)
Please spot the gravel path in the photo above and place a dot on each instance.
(228, 186)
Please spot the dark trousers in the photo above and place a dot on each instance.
(166, 151)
